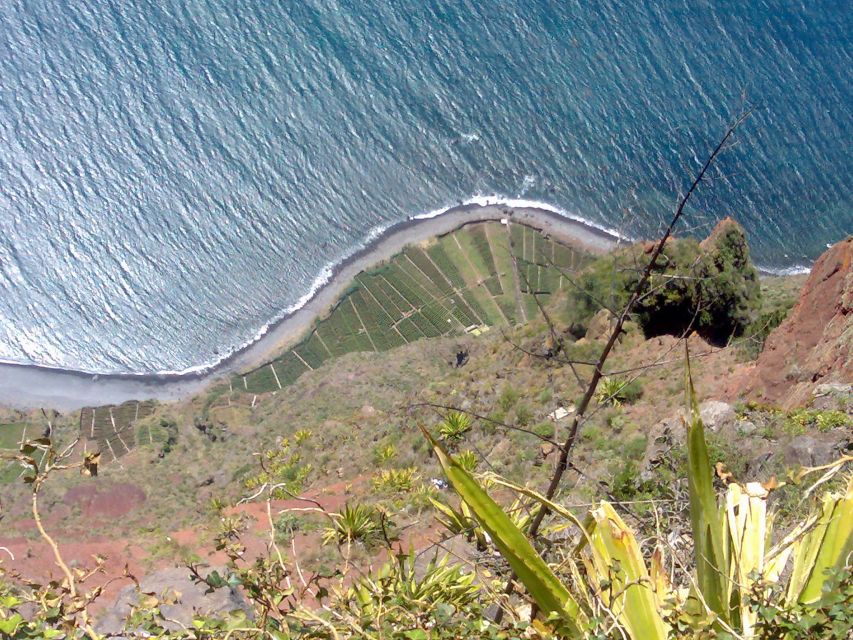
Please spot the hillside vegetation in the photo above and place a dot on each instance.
(219, 475)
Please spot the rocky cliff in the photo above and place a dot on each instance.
(814, 345)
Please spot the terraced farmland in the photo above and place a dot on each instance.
(11, 435)
(111, 427)
(483, 274)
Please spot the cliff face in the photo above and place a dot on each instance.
(814, 344)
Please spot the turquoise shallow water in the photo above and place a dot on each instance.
(175, 175)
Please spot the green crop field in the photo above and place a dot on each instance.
(482, 274)
(10, 436)
(111, 427)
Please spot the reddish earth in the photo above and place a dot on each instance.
(112, 501)
(33, 559)
(815, 343)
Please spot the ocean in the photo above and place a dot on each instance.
(175, 175)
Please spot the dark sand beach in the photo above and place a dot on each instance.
(27, 386)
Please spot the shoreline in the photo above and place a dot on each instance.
(26, 386)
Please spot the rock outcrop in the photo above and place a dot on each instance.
(190, 598)
(814, 345)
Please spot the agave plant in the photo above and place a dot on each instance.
(732, 561)
(454, 427)
(302, 436)
(360, 523)
(612, 391)
(401, 584)
(396, 480)
(468, 460)
(384, 453)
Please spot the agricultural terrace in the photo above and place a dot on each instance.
(11, 434)
(478, 276)
(111, 428)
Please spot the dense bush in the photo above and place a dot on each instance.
(712, 288)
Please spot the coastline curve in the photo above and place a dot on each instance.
(28, 386)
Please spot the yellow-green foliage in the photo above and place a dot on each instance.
(733, 565)
(467, 460)
(284, 467)
(356, 523)
(384, 453)
(455, 426)
(301, 436)
(396, 480)
(401, 584)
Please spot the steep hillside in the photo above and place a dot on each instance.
(346, 431)
(814, 345)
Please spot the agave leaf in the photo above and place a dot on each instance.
(746, 515)
(822, 548)
(660, 580)
(460, 522)
(712, 568)
(452, 519)
(552, 506)
(617, 560)
(543, 586)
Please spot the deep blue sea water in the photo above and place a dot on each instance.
(174, 174)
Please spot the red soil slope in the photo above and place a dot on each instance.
(814, 344)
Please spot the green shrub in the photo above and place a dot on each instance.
(523, 415)
(289, 523)
(828, 420)
(284, 467)
(635, 448)
(508, 398)
(395, 480)
(625, 483)
(713, 290)
(544, 429)
(797, 422)
(831, 616)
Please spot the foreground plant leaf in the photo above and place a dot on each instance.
(618, 562)
(749, 528)
(824, 547)
(530, 569)
(712, 567)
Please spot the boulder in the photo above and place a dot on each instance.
(192, 599)
(833, 396)
(813, 450)
(745, 427)
(600, 326)
(717, 416)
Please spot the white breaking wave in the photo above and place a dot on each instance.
(322, 279)
(520, 203)
(327, 272)
(795, 270)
